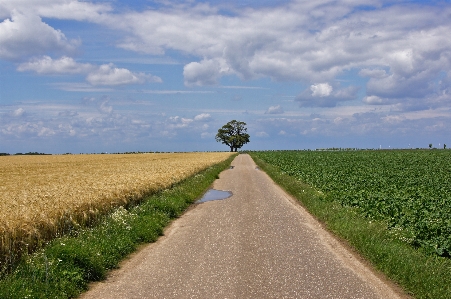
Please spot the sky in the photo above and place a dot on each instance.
(164, 75)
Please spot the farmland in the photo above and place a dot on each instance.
(47, 196)
(409, 190)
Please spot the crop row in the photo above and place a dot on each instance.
(409, 190)
(42, 197)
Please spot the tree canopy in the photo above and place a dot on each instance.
(233, 134)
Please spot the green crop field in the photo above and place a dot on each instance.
(409, 190)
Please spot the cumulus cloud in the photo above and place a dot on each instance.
(401, 51)
(93, 125)
(206, 72)
(24, 34)
(27, 35)
(274, 110)
(301, 41)
(18, 112)
(177, 122)
(321, 90)
(374, 100)
(48, 66)
(324, 95)
(295, 41)
(203, 117)
(106, 74)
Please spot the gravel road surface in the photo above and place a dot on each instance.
(259, 243)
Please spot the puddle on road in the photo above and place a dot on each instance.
(213, 194)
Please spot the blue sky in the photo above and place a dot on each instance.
(115, 76)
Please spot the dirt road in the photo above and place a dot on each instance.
(258, 243)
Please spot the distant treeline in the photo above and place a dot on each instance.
(21, 154)
(118, 153)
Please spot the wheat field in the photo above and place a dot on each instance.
(43, 196)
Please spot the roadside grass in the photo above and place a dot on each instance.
(420, 274)
(64, 267)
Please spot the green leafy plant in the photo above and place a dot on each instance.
(421, 273)
(409, 190)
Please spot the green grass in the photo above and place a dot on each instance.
(419, 273)
(66, 265)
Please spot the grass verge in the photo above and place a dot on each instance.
(420, 274)
(66, 265)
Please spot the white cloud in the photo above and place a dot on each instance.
(203, 117)
(323, 95)
(174, 118)
(18, 112)
(177, 122)
(206, 72)
(301, 41)
(321, 90)
(64, 65)
(296, 41)
(106, 74)
(186, 121)
(402, 62)
(274, 110)
(98, 125)
(105, 108)
(374, 100)
(418, 85)
(402, 52)
(73, 10)
(46, 132)
(393, 119)
(26, 35)
(60, 9)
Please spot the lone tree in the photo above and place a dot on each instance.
(233, 134)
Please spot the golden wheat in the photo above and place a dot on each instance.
(41, 196)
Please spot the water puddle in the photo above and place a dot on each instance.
(213, 194)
